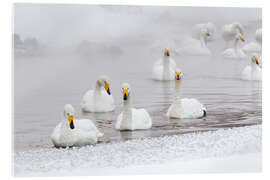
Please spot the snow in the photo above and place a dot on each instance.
(224, 150)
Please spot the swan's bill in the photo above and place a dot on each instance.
(70, 120)
(255, 60)
(167, 52)
(178, 74)
(242, 38)
(125, 89)
(207, 33)
(107, 88)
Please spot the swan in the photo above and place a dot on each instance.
(131, 118)
(252, 71)
(187, 107)
(74, 132)
(254, 47)
(197, 45)
(236, 52)
(100, 99)
(163, 69)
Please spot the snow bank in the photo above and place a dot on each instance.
(225, 150)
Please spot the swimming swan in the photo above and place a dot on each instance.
(236, 52)
(131, 118)
(163, 69)
(74, 132)
(197, 45)
(100, 99)
(254, 47)
(184, 108)
(252, 71)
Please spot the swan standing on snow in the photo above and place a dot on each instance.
(131, 118)
(100, 99)
(236, 52)
(197, 45)
(254, 47)
(163, 70)
(184, 108)
(252, 71)
(73, 132)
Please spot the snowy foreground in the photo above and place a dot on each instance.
(228, 150)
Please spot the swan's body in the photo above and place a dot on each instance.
(197, 45)
(236, 52)
(252, 72)
(184, 108)
(100, 99)
(70, 132)
(254, 47)
(163, 69)
(131, 118)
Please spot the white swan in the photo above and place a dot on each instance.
(254, 47)
(100, 99)
(163, 69)
(73, 132)
(184, 108)
(252, 71)
(201, 33)
(131, 118)
(236, 52)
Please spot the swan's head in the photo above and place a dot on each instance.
(69, 115)
(240, 37)
(178, 74)
(207, 33)
(104, 81)
(126, 91)
(255, 59)
(167, 52)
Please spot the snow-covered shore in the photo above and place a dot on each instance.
(225, 150)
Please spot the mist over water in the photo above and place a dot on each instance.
(77, 43)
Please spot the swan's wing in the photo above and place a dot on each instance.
(87, 99)
(251, 48)
(141, 119)
(88, 126)
(119, 121)
(103, 103)
(192, 108)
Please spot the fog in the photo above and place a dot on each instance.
(65, 25)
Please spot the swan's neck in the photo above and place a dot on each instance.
(127, 113)
(203, 40)
(236, 46)
(177, 92)
(98, 88)
(166, 66)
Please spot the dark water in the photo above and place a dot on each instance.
(43, 85)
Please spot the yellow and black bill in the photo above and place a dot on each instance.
(256, 60)
(242, 38)
(167, 52)
(71, 122)
(178, 75)
(125, 94)
(107, 88)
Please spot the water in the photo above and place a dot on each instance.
(42, 85)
